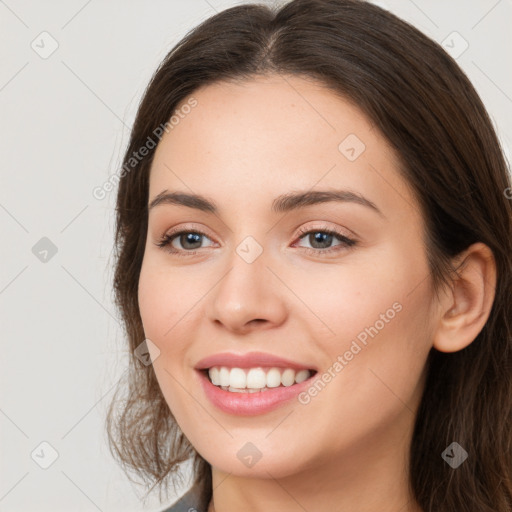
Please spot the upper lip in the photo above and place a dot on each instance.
(249, 360)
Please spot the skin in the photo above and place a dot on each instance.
(241, 146)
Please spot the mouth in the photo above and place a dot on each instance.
(255, 380)
(254, 397)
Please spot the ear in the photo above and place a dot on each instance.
(466, 306)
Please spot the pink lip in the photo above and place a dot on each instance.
(249, 404)
(249, 360)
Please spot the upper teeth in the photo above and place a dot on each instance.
(256, 378)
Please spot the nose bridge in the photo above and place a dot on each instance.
(247, 271)
(247, 291)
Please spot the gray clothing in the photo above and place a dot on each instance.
(189, 502)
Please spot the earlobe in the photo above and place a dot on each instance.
(465, 308)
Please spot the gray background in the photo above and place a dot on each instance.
(65, 121)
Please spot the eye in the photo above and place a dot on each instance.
(188, 239)
(321, 240)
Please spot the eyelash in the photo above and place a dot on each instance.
(346, 242)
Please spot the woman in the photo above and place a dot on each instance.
(314, 245)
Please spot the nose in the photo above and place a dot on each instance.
(248, 297)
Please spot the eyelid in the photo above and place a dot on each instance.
(324, 226)
(188, 228)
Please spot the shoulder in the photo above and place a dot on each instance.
(189, 502)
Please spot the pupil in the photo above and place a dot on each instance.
(192, 238)
(322, 238)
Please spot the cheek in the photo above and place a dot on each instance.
(163, 296)
(373, 376)
(162, 308)
(376, 332)
(152, 301)
(348, 298)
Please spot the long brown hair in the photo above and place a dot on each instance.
(449, 153)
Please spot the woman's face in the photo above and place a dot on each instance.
(357, 312)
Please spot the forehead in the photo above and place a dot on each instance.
(262, 137)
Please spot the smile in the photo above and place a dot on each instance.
(253, 391)
(255, 379)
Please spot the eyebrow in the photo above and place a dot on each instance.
(281, 204)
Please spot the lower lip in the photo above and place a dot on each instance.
(249, 404)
